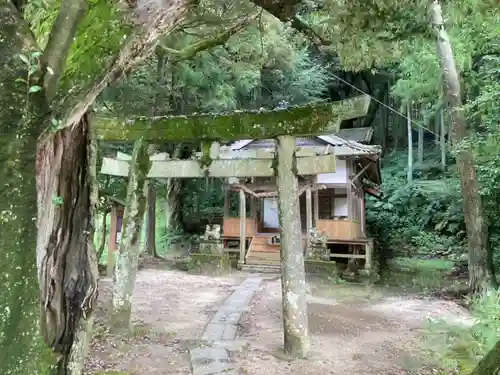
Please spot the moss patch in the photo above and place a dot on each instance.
(210, 264)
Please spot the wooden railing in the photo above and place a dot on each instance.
(231, 227)
(340, 229)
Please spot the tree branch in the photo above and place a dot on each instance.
(284, 10)
(59, 44)
(220, 39)
(302, 27)
(138, 47)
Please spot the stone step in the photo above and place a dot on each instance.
(261, 268)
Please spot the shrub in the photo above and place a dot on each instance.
(459, 347)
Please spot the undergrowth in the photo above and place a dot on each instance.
(459, 347)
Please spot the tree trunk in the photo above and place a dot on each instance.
(409, 129)
(67, 269)
(128, 251)
(151, 221)
(480, 272)
(21, 348)
(420, 145)
(490, 364)
(67, 261)
(442, 138)
(293, 284)
(104, 232)
(172, 206)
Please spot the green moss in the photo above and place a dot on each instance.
(322, 118)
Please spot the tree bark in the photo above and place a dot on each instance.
(420, 145)
(128, 251)
(409, 129)
(66, 257)
(442, 138)
(151, 221)
(490, 363)
(293, 284)
(172, 205)
(480, 272)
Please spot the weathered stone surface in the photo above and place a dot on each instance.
(221, 333)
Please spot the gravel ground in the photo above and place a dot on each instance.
(354, 330)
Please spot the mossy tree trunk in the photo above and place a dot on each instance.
(480, 271)
(293, 284)
(128, 252)
(34, 174)
(21, 122)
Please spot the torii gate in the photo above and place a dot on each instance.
(286, 163)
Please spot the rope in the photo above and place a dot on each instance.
(271, 194)
(385, 105)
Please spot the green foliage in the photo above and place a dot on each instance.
(460, 347)
(422, 218)
(259, 67)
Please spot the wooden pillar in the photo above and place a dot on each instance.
(309, 218)
(316, 206)
(293, 284)
(243, 225)
(253, 207)
(112, 241)
(368, 254)
(363, 214)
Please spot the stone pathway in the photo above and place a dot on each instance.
(220, 333)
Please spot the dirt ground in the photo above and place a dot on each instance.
(354, 330)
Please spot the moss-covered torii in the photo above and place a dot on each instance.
(315, 119)
(285, 125)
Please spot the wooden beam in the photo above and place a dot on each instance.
(349, 256)
(269, 153)
(312, 165)
(316, 119)
(162, 156)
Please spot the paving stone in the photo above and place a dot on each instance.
(210, 361)
(214, 331)
(231, 345)
(226, 317)
(229, 332)
(221, 332)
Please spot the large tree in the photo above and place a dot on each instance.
(45, 163)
